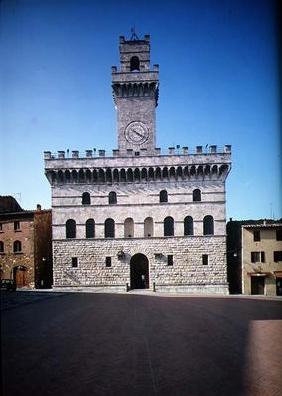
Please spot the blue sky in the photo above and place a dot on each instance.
(218, 85)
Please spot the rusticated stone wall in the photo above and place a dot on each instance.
(186, 274)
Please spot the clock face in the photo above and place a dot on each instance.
(136, 132)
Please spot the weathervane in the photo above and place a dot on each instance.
(133, 34)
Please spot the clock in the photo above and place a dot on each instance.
(136, 132)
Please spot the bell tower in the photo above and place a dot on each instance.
(135, 91)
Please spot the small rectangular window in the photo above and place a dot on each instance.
(255, 257)
(277, 256)
(1, 227)
(74, 262)
(169, 259)
(262, 257)
(108, 261)
(205, 259)
(279, 235)
(137, 153)
(17, 226)
(256, 236)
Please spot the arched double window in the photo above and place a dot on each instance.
(85, 198)
(134, 63)
(168, 226)
(17, 247)
(112, 198)
(163, 196)
(70, 228)
(148, 227)
(90, 228)
(188, 226)
(129, 228)
(109, 228)
(208, 225)
(197, 195)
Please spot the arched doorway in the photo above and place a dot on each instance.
(20, 275)
(139, 272)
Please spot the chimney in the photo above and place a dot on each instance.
(38, 207)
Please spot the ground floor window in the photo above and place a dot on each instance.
(169, 259)
(205, 259)
(108, 261)
(74, 262)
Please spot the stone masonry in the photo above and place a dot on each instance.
(168, 211)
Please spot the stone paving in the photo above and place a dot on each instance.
(139, 344)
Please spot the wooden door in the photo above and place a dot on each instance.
(20, 277)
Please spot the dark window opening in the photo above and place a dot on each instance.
(109, 228)
(74, 262)
(188, 226)
(205, 259)
(256, 236)
(70, 228)
(108, 261)
(196, 195)
(17, 225)
(163, 196)
(1, 247)
(168, 226)
(208, 225)
(1, 227)
(137, 153)
(85, 198)
(134, 64)
(169, 259)
(112, 198)
(17, 247)
(279, 235)
(257, 257)
(90, 228)
(277, 256)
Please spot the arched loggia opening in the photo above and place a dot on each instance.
(139, 272)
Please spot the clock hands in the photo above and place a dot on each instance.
(137, 133)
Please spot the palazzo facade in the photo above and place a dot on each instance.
(140, 217)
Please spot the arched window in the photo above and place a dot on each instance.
(208, 226)
(90, 228)
(134, 64)
(1, 247)
(188, 226)
(70, 228)
(148, 227)
(85, 198)
(17, 247)
(196, 195)
(168, 226)
(163, 196)
(129, 228)
(109, 228)
(112, 198)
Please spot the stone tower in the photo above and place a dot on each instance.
(139, 217)
(135, 91)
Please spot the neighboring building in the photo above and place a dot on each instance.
(25, 245)
(139, 218)
(254, 256)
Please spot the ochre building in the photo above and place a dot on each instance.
(254, 251)
(140, 217)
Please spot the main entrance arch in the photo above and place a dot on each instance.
(139, 272)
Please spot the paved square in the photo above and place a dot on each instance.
(105, 344)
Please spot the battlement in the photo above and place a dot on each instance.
(179, 151)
